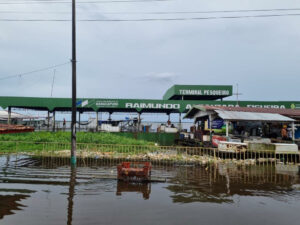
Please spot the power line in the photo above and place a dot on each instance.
(152, 19)
(33, 71)
(207, 12)
(32, 12)
(80, 2)
(164, 12)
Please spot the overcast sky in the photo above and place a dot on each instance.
(143, 59)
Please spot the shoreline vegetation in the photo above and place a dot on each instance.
(64, 137)
(108, 146)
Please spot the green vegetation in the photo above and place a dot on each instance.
(64, 137)
(37, 141)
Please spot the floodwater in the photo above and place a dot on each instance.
(47, 191)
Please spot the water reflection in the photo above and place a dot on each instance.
(5, 166)
(92, 186)
(138, 187)
(219, 183)
(71, 194)
(10, 203)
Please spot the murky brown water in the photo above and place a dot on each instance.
(33, 192)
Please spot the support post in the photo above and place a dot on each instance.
(79, 114)
(48, 119)
(73, 122)
(180, 127)
(210, 127)
(53, 122)
(9, 116)
(293, 132)
(227, 129)
(97, 121)
(109, 117)
(139, 122)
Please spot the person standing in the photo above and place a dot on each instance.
(64, 124)
(284, 134)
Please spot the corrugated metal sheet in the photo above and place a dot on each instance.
(284, 112)
(291, 113)
(252, 116)
(4, 116)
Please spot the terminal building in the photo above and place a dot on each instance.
(178, 99)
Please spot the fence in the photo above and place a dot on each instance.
(87, 126)
(153, 153)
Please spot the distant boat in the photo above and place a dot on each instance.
(10, 129)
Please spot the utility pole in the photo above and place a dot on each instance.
(237, 95)
(54, 71)
(73, 122)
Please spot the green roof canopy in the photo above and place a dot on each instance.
(130, 105)
(198, 92)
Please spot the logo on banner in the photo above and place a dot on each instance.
(82, 103)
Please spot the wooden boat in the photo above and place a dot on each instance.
(10, 129)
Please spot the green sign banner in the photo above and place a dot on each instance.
(134, 105)
(181, 106)
(198, 90)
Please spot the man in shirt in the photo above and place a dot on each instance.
(284, 135)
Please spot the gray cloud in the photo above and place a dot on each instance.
(114, 59)
(164, 77)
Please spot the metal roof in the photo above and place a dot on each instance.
(252, 116)
(4, 116)
(292, 113)
(284, 112)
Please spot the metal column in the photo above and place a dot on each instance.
(139, 121)
(97, 121)
(9, 116)
(53, 122)
(79, 113)
(293, 131)
(227, 129)
(210, 129)
(180, 127)
(48, 119)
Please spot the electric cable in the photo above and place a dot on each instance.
(152, 19)
(159, 12)
(79, 2)
(33, 71)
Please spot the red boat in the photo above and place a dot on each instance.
(134, 171)
(9, 129)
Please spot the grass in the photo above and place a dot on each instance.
(37, 141)
(64, 137)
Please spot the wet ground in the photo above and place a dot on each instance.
(47, 191)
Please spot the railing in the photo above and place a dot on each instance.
(169, 154)
(87, 127)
